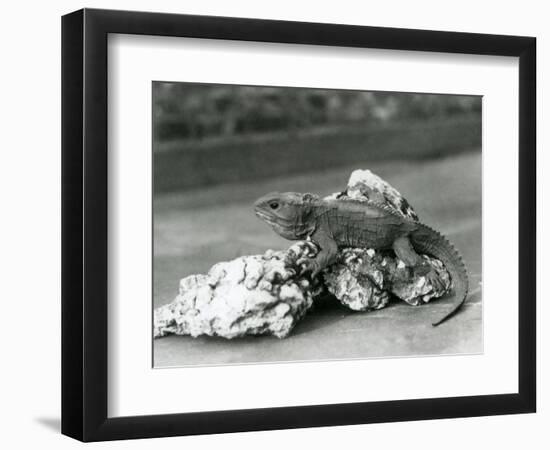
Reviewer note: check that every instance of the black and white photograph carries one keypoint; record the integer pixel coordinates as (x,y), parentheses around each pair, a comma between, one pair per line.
(269,225)
(295,224)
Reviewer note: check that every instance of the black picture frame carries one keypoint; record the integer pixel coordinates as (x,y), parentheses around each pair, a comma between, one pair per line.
(84,224)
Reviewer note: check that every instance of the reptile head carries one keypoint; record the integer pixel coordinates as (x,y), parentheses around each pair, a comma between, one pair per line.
(288,213)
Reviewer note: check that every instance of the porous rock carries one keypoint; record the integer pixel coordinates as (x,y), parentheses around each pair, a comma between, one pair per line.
(250,295)
(363,279)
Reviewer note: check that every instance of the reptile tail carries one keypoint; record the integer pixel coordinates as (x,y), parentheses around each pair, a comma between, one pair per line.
(428,241)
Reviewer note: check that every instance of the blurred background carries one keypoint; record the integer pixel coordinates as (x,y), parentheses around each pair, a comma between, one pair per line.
(216,148)
(205,134)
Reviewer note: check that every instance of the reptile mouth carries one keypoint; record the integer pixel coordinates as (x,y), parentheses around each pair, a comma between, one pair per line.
(262,215)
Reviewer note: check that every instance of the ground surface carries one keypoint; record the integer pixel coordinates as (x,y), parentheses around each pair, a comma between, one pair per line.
(194,230)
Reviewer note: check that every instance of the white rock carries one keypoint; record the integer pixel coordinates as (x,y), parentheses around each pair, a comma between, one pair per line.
(258,294)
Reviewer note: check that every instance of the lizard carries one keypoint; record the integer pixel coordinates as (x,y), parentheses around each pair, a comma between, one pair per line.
(334,224)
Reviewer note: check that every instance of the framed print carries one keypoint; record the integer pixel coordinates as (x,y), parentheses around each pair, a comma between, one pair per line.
(273,224)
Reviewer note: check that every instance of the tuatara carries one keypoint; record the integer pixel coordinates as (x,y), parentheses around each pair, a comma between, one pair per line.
(335,224)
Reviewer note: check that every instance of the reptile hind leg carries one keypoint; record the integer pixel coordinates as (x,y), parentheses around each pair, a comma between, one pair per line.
(406,253)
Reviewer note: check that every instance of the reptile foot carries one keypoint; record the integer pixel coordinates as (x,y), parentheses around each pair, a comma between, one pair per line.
(432,277)
(308,265)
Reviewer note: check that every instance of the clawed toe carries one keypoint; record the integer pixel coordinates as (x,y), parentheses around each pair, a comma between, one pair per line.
(308,265)
(433,278)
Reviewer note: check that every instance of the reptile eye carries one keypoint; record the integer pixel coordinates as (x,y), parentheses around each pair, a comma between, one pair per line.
(274,205)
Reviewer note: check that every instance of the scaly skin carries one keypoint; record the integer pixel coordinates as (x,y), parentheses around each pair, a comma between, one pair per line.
(335,224)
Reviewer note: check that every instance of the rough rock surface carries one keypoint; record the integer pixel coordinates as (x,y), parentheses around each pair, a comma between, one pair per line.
(260,294)
(363,279)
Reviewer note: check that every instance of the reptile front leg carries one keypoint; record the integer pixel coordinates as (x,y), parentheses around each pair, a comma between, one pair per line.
(327,254)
